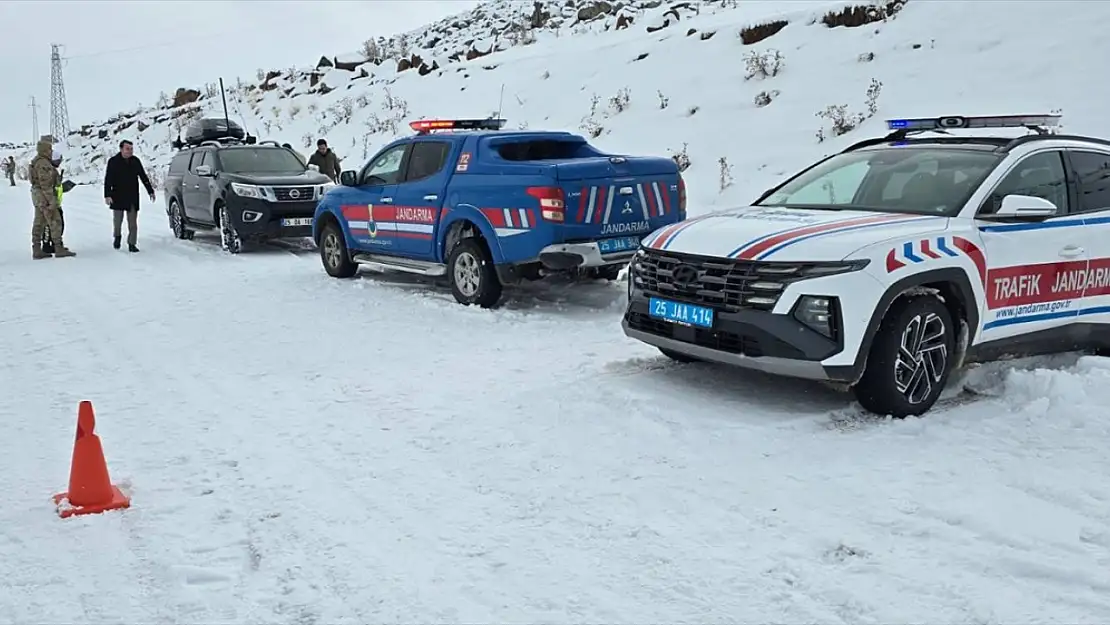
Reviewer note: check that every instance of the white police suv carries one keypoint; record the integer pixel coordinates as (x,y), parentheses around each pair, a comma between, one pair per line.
(886,266)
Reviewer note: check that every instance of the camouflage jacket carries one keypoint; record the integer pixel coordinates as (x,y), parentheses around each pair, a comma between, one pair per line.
(44,176)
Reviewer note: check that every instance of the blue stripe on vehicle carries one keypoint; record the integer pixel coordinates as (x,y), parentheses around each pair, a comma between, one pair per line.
(942,245)
(767,236)
(1046,225)
(907,252)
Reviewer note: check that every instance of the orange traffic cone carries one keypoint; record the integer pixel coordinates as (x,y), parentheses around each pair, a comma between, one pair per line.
(90,489)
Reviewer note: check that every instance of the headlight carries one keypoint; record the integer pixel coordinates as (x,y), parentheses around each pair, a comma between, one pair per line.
(818,313)
(770,280)
(247,190)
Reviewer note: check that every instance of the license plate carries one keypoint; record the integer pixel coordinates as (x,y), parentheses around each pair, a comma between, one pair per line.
(297,221)
(680,312)
(622,244)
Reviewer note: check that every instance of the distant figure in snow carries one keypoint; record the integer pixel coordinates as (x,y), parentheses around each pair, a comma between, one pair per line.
(326,160)
(121,193)
(44,184)
(299,156)
(9,168)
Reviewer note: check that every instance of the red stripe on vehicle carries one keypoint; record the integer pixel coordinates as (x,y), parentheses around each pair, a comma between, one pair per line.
(599,206)
(650,194)
(496,217)
(778,239)
(664,190)
(582,204)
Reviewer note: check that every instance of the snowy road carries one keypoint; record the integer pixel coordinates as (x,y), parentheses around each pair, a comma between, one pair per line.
(307,450)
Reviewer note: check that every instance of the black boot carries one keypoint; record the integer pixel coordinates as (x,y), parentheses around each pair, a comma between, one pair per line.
(115,242)
(132,248)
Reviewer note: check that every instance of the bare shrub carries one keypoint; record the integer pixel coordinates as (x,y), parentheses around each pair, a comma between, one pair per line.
(861,15)
(763,98)
(681,158)
(725,179)
(621,101)
(664,101)
(842,121)
(766,64)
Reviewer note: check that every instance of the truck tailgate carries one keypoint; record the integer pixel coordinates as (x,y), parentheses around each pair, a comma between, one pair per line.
(618,196)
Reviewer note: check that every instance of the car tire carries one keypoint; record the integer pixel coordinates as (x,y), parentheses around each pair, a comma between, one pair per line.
(678,356)
(910,360)
(334,254)
(472,274)
(229,238)
(177,221)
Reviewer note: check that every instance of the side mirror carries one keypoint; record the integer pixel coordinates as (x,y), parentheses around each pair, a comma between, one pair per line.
(346,178)
(204,171)
(315,168)
(1025,206)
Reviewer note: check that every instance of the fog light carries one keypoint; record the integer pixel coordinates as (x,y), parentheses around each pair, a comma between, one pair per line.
(251,216)
(816,313)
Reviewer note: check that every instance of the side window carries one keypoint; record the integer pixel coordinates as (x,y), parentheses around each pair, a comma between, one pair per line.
(180,163)
(838,186)
(427,159)
(198,159)
(1040,175)
(386,169)
(1093,171)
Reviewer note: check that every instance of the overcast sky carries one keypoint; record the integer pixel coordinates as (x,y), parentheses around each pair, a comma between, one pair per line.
(124,53)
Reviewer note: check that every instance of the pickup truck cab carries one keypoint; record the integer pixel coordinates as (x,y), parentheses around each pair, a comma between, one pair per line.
(486,207)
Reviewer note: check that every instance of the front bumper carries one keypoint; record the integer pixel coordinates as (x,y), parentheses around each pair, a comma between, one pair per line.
(564,256)
(254,218)
(753,339)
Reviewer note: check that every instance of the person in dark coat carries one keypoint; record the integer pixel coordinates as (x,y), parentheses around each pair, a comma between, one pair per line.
(121,193)
(326,160)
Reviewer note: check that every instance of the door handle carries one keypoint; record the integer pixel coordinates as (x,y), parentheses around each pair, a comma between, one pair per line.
(386,200)
(196,186)
(1071,251)
(431,198)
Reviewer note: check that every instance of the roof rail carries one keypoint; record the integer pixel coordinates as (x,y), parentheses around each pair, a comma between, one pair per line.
(269,142)
(426,126)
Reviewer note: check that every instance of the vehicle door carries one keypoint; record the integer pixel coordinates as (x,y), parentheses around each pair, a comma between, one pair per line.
(1035,266)
(368,207)
(1092,178)
(418,196)
(194,190)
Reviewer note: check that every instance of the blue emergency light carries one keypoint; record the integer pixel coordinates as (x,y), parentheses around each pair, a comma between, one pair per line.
(923,124)
(424,126)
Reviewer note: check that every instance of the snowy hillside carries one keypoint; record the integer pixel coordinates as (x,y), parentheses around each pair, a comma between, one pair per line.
(683,90)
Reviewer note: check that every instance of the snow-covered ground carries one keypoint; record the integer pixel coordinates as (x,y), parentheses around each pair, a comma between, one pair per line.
(306,450)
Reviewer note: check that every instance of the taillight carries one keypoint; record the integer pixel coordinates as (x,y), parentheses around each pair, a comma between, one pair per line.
(681,197)
(552,202)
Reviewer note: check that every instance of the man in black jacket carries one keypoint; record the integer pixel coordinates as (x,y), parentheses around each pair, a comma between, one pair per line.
(121,193)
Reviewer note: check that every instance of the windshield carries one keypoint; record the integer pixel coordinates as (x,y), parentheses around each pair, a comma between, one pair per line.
(926,181)
(260,161)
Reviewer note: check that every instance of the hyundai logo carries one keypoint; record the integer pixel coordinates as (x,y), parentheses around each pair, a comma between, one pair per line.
(685,275)
(294,194)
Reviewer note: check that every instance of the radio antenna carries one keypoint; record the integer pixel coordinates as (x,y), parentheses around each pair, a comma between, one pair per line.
(500,101)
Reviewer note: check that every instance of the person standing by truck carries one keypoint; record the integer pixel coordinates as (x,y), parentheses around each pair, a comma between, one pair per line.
(121,193)
(325,160)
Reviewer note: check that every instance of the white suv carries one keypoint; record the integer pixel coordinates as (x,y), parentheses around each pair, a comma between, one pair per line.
(886,266)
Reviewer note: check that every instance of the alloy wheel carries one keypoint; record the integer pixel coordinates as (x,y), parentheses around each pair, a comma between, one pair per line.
(468,274)
(922,357)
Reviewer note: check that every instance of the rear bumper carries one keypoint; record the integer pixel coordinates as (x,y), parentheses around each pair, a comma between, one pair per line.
(563,256)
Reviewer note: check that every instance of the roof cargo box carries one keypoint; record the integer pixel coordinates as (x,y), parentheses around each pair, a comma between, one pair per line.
(213,129)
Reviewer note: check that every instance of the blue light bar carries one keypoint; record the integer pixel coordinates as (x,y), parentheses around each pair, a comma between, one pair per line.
(921,124)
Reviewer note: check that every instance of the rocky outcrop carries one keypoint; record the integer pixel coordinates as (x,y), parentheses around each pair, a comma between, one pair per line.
(184,96)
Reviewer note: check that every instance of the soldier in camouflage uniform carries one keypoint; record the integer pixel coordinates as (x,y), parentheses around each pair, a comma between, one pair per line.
(44,183)
(9,167)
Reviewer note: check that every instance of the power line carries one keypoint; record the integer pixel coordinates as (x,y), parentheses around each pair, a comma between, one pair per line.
(151,46)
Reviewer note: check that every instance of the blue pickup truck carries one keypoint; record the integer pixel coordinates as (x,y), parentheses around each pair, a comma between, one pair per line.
(487,207)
